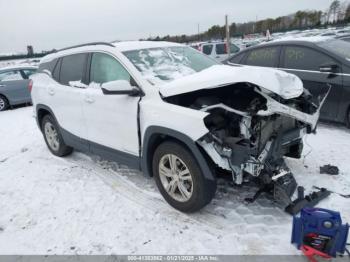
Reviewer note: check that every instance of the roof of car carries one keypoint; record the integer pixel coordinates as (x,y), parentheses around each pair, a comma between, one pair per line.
(135,45)
(12,67)
(309,39)
(120,46)
(311,42)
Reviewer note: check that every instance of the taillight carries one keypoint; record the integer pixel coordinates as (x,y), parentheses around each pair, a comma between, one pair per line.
(30,85)
(226,48)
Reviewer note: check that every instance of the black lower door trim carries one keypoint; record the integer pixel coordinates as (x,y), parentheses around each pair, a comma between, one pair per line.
(104,152)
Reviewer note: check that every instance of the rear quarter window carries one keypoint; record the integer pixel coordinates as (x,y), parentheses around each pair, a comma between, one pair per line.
(48,66)
(304,58)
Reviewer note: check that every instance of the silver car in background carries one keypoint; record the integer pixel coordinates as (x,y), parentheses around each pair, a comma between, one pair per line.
(15,85)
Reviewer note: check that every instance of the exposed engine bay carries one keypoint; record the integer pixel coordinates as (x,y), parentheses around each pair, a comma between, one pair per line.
(251,130)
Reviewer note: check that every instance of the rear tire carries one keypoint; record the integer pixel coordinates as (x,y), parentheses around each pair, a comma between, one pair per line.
(4,103)
(53,137)
(180,179)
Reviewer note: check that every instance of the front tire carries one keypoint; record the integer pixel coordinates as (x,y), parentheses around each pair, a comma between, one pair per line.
(53,137)
(180,179)
(4,103)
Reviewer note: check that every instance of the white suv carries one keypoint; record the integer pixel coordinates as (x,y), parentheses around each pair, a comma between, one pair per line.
(216,50)
(175,114)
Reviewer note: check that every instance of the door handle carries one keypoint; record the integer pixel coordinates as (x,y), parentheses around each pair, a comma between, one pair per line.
(2,85)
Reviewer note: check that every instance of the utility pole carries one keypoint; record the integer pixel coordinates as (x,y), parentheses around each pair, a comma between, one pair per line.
(255,25)
(228,46)
(199,37)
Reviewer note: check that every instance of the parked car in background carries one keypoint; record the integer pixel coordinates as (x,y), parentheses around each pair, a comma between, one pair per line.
(321,63)
(344,37)
(176,114)
(216,50)
(15,85)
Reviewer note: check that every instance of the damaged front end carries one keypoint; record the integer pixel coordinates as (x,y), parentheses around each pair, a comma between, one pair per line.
(250,131)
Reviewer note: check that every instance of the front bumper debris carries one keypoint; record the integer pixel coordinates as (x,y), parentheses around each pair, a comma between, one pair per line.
(310,200)
(274,107)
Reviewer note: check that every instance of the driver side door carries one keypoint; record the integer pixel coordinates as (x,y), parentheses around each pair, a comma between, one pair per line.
(111,119)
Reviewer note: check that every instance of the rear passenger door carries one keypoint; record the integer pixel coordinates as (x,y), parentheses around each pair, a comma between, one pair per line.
(65,95)
(305,63)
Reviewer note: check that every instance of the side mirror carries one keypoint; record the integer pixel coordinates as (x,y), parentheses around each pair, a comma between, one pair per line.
(329,68)
(120,87)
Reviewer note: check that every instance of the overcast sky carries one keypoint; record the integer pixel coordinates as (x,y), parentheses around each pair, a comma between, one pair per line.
(48,24)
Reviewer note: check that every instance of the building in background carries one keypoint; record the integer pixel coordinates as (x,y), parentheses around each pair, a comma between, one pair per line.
(30,51)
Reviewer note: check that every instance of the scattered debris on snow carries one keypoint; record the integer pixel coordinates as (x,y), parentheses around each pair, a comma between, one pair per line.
(329,170)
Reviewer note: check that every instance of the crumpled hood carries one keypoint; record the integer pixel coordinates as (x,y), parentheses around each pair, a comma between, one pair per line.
(284,84)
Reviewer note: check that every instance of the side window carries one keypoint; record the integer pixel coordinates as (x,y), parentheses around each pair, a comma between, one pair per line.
(220,49)
(48,66)
(104,68)
(207,49)
(266,57)
(56,70)
(11,76)
(72,68)
(237,58)
(234,49)
(304,58)
(28,72)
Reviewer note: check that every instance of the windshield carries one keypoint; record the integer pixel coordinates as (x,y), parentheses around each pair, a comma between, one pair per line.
(339,47)
(165,64)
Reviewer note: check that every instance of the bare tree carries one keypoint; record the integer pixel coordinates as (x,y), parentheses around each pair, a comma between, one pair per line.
(333,11)
(347,13)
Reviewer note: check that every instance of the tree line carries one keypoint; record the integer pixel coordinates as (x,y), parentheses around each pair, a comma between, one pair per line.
(338,13)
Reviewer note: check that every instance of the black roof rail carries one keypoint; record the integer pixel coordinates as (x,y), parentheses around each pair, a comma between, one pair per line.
(87,44)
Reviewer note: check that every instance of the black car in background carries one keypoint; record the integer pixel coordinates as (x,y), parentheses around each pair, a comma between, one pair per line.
(319,62)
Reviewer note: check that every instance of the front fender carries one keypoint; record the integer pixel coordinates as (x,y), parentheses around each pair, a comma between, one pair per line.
(152,132)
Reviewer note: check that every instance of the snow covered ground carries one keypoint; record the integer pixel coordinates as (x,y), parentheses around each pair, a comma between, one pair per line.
(82,205)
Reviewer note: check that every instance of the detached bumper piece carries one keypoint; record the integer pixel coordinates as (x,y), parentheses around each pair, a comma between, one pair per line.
(310,200)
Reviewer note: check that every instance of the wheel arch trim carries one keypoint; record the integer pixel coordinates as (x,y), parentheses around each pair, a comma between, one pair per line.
(7,98)
(149,139)
(46,108)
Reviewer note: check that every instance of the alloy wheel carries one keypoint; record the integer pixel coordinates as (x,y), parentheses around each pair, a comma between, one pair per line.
(175,178)
(2,104)
(51,136)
